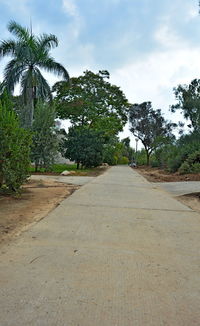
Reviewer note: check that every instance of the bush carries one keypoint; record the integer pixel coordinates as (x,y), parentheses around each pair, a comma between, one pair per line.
(14,150)
(185,168)
(123,160)
(191,164)
(174,164)
(196,168)
(155,164)
(140,157)
(185,149)
(194,158)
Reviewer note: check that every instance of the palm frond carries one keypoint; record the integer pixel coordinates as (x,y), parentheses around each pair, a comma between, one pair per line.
(43,89)
(19,31)
(33,81)
(7,48)
(47,41)
(12,74)
(50,65)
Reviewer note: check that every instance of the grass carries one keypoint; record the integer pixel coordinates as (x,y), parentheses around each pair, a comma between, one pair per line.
(59,168)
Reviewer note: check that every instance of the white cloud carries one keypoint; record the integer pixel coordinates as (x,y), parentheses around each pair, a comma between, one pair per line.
(166,37)
(70,8)
(73,28)
(153,77)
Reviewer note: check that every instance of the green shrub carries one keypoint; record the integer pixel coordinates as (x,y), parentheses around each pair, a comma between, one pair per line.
(140,157)
(173,164)
(185,168)
(15,145)
(195,168)
(155,164)
(172,156)
(194,158)
(123,160)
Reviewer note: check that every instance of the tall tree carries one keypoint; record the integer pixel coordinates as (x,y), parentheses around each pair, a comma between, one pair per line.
(45,141)
(90,100)
(29,54)
(150,127)
(188,97)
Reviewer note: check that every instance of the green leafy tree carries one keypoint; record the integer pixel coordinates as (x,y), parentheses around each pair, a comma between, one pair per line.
(45,140)
(188,97)
(150,127)
(90,100)
(117,152)
(84,146)
(112,151)
(15,145)
(29,55)
(128,151)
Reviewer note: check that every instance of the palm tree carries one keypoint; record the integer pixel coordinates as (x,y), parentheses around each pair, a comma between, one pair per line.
(29,54)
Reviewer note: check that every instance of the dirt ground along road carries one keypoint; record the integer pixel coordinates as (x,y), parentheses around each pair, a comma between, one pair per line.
(37,199)
(116,252)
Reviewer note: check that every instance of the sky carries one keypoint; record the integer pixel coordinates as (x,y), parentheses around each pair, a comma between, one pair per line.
(148,46)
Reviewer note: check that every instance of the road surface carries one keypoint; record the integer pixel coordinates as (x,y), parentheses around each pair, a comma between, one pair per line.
(118,252)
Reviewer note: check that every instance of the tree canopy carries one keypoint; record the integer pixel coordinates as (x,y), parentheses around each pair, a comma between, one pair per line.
(149,126)
(84,146)
(188,97)
(90,100)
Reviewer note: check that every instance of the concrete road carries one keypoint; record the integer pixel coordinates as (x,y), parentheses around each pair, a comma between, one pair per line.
(180,188)
(116,253)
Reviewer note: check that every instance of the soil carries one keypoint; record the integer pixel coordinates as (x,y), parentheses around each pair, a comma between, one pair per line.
(191,200)
(158,175)
(37,199)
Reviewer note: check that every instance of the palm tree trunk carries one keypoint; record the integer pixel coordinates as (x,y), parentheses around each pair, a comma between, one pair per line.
(30,108)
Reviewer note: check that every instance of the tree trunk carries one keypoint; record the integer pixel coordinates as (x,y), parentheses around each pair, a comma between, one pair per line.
(148,157)
(77,166)
(30,99)
(31,109)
